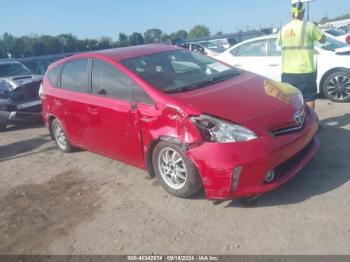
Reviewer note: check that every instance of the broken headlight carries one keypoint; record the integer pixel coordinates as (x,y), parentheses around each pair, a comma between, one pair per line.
(213,129)
(5,88)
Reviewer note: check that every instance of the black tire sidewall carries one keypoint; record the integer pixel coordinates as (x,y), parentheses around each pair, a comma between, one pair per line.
(68,147)
(325,84)
(193,182)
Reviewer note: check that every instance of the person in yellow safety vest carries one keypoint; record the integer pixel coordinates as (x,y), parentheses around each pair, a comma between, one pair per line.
(298,65)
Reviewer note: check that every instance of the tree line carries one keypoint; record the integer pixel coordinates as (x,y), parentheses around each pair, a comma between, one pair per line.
(36,45)
(325,19)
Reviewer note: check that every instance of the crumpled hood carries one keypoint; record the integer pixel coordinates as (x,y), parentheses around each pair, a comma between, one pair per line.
(249,100)
(17,81)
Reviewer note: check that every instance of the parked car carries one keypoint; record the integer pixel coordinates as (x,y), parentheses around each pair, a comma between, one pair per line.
(187,118)
(339,35)
(37,67)
(204,48)
(19,99)
(262,56)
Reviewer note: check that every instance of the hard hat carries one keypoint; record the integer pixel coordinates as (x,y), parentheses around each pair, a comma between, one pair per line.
(297,7)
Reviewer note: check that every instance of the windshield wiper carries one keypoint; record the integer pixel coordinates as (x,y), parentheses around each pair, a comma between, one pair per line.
(212,80)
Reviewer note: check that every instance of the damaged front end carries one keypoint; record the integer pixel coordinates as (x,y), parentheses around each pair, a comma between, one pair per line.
(19,100)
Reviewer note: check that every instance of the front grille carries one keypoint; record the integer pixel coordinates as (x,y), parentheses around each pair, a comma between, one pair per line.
(290,129)
(287,131)
(26,93)
(285,167)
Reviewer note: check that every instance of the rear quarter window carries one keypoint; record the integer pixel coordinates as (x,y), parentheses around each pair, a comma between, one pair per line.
(74,76)
(54,75)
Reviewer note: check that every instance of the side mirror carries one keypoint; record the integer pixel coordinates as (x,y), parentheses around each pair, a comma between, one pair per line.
(102,92)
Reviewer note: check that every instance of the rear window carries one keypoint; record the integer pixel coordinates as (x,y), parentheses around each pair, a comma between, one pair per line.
(54,75)
(75,76)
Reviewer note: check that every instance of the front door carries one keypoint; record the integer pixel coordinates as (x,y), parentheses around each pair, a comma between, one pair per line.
(114,126)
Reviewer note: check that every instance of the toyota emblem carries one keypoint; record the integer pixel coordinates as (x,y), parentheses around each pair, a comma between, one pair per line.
(299,117)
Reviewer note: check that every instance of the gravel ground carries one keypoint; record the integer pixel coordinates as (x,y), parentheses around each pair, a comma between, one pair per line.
(82,203)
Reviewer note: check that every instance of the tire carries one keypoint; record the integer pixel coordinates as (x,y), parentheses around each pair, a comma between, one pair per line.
(175,171)
(336,86)
(60,137)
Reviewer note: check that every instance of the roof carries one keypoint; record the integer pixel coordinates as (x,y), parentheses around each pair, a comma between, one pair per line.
(125,53)
(9,62)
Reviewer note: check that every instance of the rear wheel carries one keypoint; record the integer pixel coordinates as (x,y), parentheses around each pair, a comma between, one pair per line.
(336,86)
(175,171)
(60,137)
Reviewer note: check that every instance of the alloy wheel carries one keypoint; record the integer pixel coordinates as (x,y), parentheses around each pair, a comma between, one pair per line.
(338,87)
(60,136)
(172,168)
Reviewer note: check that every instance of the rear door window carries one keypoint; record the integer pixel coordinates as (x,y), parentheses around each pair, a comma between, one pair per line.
(75,76)
(275,50)
(258,48)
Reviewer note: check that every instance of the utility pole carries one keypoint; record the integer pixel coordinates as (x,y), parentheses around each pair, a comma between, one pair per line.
(308,8)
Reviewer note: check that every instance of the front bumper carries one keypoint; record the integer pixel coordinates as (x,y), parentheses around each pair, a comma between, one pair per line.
(286,155)
(29,112)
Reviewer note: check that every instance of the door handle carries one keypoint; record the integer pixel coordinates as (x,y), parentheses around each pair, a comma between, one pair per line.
(237,65)
(274,65)
(92,110)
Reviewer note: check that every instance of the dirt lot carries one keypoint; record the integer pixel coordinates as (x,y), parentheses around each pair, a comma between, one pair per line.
(81,203)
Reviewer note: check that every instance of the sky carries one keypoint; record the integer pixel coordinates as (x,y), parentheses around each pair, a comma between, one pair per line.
(94,19)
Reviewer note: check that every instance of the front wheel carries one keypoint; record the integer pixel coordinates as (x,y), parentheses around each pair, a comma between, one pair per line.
(336,86)
(175,171)
(60,137)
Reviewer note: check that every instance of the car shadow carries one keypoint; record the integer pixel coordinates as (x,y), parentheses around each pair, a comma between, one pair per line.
(23,126)
(327,171)
(22,148)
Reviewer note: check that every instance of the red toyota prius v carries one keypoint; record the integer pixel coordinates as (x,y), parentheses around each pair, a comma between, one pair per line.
(190,120)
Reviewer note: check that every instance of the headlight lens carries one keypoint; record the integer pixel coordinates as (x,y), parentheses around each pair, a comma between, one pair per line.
(213,129)
(5,88)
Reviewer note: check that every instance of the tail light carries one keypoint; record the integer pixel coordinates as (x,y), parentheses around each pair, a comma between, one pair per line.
(347,39)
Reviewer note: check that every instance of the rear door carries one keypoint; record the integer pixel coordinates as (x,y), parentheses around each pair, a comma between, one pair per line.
(274,60)
(69,100)
(113,129)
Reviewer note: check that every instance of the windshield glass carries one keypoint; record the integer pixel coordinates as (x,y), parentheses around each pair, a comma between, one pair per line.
(331,44)
(13,69)
(180,70)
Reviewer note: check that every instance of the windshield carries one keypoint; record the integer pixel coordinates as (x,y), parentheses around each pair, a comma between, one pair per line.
(179,71)
(13,69)
(331,44)
(212,46)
